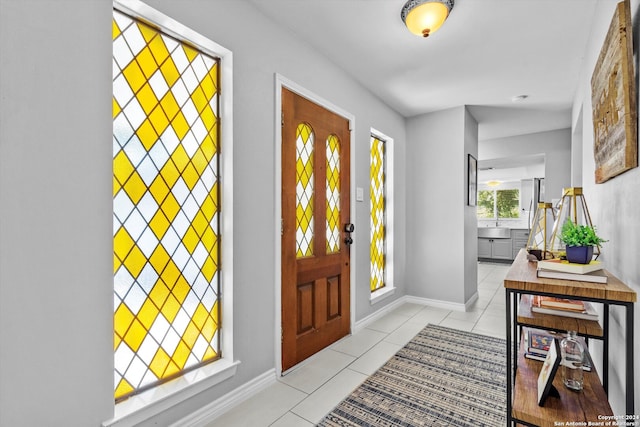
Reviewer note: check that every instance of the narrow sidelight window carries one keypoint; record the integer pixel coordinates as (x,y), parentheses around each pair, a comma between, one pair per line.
(377,193)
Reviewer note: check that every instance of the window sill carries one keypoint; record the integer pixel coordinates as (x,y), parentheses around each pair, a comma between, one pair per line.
(145,405)
(382,294)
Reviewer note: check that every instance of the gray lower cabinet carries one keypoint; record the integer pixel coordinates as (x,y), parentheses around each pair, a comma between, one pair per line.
(495,248)
(501,249)
(484,248)
(519,238)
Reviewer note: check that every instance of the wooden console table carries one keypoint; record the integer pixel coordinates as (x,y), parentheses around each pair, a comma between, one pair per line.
(522,281)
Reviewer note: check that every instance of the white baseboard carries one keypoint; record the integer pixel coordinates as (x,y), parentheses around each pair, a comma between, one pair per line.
(472,300)
(363,323)
(213,410)
(447,305)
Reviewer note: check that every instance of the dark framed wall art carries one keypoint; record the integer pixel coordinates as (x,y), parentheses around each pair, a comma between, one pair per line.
(472,180)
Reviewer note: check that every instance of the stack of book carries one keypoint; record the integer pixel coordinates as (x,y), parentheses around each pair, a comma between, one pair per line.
(561,269)
(563,307)
(537,344)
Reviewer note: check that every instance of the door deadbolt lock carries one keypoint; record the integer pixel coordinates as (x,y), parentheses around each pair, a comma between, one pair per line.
(348,240)
(349,227)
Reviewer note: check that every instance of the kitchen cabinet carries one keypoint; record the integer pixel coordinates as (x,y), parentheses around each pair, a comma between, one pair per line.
(495,248)
(519,239)
(484,248)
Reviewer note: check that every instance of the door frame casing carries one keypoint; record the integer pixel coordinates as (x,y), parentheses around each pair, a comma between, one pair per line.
(280,82)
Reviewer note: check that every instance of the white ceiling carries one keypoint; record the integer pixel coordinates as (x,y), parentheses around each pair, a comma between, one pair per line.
(512,168)
(487,52)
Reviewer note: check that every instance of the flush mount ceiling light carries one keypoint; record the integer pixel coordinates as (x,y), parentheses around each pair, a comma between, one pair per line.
(424,17)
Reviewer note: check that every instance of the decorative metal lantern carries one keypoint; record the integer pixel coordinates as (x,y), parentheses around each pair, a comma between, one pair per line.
(572,206)
(538,236)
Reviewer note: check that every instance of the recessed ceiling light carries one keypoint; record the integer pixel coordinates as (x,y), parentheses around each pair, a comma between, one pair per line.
(519,98)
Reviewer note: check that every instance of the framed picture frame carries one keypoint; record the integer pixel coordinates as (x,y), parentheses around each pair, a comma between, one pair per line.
(548,372)
(472,180)
(613,99)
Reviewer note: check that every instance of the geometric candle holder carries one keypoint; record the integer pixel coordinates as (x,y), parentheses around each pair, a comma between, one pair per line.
(537,243)
(572,206)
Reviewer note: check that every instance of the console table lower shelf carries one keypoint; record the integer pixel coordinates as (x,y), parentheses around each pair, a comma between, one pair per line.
(571,406)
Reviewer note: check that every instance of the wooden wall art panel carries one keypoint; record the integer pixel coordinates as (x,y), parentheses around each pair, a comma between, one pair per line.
(613,96)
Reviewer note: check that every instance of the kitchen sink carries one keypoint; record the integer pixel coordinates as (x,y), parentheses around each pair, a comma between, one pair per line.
(494,232)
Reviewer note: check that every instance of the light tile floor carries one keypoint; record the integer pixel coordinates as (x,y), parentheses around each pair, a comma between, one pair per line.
(302,397)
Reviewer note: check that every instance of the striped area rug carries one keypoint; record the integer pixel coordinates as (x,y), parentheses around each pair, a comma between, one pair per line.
(442,377)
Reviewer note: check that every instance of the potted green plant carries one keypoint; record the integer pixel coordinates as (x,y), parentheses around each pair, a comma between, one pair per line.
(579,241)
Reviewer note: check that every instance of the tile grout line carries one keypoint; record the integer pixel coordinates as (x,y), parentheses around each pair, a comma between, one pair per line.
(485,310)
(344,368)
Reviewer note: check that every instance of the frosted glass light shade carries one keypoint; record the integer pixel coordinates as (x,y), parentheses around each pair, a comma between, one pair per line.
(425,17)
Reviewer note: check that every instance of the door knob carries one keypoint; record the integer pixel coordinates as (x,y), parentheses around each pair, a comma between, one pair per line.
(348,240)
(349,227)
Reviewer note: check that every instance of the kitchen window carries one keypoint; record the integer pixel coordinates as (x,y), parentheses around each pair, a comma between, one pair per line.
(498,203)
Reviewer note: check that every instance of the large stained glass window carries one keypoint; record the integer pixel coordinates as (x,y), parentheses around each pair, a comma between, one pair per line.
(377,193)
(166,206)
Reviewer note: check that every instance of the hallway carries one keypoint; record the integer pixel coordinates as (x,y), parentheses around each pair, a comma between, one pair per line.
(305,395)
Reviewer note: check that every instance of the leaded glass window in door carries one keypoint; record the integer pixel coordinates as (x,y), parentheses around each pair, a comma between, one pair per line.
(333,194)
(304,190)
(166,206)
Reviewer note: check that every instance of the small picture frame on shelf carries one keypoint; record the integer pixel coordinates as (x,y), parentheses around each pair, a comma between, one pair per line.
(548,372)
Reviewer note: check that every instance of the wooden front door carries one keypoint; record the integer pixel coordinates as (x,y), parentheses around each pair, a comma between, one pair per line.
(315,214)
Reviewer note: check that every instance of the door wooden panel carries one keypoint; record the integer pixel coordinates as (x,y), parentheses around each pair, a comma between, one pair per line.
(315,278)
(333,297)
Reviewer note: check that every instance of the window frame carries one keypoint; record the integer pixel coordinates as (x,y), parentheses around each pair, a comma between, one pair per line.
(149,403)
(389,288)
(505,186)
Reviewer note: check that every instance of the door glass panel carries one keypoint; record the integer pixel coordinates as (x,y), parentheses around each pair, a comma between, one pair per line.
(333,194)
(304,190)
(377,194)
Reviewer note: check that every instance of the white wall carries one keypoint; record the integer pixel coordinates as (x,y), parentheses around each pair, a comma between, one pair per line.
(576,152)
(556,147)
(614,207)
(470,218)
(56,274)
(56,360)
(439,242)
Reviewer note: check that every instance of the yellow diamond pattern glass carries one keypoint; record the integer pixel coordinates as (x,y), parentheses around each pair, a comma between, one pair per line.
(166,206)
(333,194)
(377,194)
(304,190)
